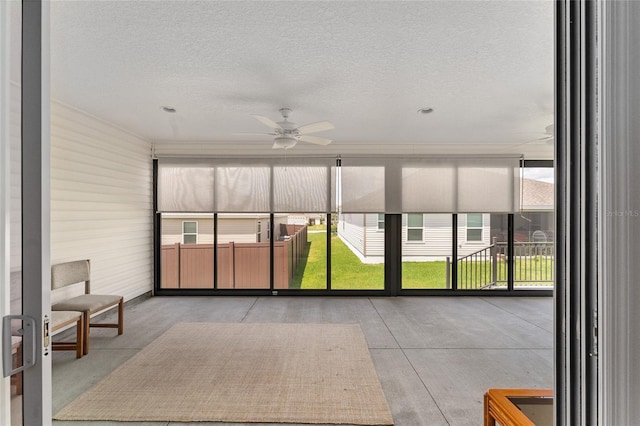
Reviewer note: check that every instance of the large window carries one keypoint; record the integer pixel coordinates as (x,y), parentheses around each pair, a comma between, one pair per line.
(321,224)
(186,250)
(428,265)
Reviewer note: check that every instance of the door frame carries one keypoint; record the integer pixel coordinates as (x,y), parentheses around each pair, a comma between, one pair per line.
(35,210)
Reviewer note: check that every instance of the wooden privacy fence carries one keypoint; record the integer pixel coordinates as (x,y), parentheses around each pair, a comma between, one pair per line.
(240,265)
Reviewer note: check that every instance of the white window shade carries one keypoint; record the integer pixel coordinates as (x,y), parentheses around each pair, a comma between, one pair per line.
(300,189)
(243,188)
(459,185)
(429,187)
(361,188)
(488,185)
(185,187)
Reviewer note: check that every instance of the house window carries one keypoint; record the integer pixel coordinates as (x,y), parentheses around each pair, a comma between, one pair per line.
(268,230)
(380,221)
(189,232)
(474,227)
(415,225)
(259,231)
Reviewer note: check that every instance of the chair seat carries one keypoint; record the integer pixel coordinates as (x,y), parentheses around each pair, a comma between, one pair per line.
(61,319)
(87,303)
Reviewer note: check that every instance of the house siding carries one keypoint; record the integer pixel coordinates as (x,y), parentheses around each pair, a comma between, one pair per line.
(351,230)
(436,243)
(436,237)
(240,230)
(374,241)
(101,202)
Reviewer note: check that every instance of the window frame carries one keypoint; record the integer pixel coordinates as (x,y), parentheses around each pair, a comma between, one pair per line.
(379,229)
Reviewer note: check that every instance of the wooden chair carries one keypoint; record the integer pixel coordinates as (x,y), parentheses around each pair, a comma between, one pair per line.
(79,271)
(62,319)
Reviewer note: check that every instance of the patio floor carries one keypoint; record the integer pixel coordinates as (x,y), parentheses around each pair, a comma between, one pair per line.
(435,356)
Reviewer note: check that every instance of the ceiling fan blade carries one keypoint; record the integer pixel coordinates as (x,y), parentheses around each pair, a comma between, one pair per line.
(315,139)
(266,121)
(315,127)
(253,134)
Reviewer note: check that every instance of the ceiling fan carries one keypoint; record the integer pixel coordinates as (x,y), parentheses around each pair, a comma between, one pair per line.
(548,137)
(287,133)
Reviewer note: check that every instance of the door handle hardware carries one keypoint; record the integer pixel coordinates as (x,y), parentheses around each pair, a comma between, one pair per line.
(28,333)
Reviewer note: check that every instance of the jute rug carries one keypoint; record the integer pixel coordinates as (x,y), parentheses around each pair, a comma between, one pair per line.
(280,373)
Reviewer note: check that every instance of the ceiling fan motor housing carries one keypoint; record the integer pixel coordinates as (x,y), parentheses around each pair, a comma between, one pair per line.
(286,141)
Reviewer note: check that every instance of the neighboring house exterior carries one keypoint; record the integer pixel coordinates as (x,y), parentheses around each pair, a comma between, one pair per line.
(197,228)
(424,236)
(429,236)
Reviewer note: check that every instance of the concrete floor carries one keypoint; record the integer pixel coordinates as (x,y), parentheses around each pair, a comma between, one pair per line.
(435,356)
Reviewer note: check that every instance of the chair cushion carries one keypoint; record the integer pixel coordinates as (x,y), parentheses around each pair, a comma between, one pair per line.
(87,302)
(62,318)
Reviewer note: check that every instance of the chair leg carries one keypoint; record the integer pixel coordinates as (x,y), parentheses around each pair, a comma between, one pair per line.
(80,336)
(87,326)
(121,317)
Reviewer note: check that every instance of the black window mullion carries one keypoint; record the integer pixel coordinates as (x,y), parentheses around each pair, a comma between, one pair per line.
(215,251)
(271,252)
(510,252)
(329,222)
(392,253)
(454,252)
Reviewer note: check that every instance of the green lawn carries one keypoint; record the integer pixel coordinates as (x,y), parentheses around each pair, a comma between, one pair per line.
(349,273)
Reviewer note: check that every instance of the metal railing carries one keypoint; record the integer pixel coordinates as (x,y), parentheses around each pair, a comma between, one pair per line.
(534,263)
(488,267)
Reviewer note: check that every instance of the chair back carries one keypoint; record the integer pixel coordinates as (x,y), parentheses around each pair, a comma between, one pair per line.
(68,273)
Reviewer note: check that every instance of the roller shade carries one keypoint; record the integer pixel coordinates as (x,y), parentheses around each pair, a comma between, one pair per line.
(354,185)
(489,186)
(361,186)
(185,186)
(243,189)
(461,185)
(245,185)
(300,189)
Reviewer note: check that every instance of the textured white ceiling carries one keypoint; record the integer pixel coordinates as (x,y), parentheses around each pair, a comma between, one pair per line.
(486,67)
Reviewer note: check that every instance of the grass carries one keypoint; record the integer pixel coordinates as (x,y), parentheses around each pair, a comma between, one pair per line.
(349,273)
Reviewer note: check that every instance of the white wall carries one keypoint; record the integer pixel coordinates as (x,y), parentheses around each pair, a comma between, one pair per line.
(101,206)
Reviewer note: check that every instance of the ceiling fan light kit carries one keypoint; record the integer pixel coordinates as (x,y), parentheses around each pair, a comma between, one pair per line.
(287,133)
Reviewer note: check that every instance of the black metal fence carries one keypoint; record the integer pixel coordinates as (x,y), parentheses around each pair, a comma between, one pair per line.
(488,267)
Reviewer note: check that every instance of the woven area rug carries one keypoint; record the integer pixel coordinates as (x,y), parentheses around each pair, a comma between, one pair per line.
(280,373)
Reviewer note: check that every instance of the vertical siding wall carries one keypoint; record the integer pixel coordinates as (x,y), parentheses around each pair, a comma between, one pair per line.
(101,206)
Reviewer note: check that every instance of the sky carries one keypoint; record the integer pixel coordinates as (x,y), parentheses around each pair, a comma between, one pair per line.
(544,174)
